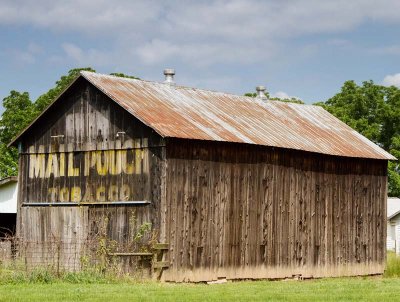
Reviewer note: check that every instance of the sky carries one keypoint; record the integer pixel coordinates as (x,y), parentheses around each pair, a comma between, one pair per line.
(304,49)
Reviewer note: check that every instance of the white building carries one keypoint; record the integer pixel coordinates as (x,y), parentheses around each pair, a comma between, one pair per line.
(8,205)
(393,224)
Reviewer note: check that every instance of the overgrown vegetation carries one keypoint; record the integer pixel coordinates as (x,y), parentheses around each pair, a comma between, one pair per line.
(288,100)
(17,284)
(16,275)
(393,265)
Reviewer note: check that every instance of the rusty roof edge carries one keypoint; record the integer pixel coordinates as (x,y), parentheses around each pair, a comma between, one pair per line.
(384,153)
(365,139)
(18,136)
(116,101)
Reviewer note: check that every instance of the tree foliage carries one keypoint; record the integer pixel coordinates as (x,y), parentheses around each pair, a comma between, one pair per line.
(291,100)
(45,99)
(17,115)
(20,111)
(123,75)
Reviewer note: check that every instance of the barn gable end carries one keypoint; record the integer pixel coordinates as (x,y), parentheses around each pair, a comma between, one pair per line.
(88,169)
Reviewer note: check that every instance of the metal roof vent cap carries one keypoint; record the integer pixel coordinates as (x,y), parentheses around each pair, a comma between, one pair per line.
(261,93)
(169,76)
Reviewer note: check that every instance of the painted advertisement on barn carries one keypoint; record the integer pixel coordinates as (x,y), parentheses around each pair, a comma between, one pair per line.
(120,174)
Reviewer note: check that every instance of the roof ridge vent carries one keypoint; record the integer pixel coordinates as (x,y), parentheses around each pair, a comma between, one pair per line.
(169,76)
(261,93)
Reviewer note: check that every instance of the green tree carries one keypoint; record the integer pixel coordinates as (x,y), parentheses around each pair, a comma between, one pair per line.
(45,99)
(18,113)
(123,75)
(361,107)
(291,100)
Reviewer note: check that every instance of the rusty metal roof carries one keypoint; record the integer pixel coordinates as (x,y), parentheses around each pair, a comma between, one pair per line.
(191,113)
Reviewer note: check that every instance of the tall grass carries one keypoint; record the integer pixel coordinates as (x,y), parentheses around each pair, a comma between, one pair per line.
(17,274)
(393,265)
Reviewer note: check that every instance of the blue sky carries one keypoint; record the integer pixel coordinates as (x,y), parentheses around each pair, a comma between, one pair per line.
(305,49)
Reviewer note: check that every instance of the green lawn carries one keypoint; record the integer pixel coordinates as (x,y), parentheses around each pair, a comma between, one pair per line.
(43,285)
(340,289)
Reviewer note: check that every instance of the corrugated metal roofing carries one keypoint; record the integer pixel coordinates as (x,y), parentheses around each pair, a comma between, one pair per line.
(190,113)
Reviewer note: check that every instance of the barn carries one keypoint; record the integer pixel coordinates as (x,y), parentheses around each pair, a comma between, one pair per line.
(200,185)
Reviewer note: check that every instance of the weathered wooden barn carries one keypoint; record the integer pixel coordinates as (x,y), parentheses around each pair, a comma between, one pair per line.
(229,186)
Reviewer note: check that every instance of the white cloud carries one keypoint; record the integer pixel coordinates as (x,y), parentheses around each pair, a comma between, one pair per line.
(25,56)
(392,80)
(283,95)
(196,32)
(89,16)
(73,51)
(86,57)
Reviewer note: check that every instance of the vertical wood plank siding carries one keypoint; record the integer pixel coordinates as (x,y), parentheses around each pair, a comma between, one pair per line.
(242,211)
(84,124)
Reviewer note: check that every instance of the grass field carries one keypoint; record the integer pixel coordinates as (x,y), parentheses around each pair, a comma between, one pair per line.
(341,289)
(42,286)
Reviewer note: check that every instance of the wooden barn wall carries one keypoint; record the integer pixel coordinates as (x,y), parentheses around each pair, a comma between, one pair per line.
(87,150)
(242,211)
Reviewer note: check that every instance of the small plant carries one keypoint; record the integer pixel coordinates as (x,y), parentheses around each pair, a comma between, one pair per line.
(143,229)
(392,265)
(42,275)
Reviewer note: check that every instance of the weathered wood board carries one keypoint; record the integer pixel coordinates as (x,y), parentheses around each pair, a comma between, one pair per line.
(242,211)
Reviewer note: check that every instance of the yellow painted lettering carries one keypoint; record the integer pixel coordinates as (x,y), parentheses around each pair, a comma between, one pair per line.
(86,166)
(114,162)
(37,163)
(53,194)
(102,163)
(72,171)
(138,161)
(52,166)
(62,164)
(76,194)
(128,168)
(64,194)
(88,196)
(124,193)
(113,193)
(101,194)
